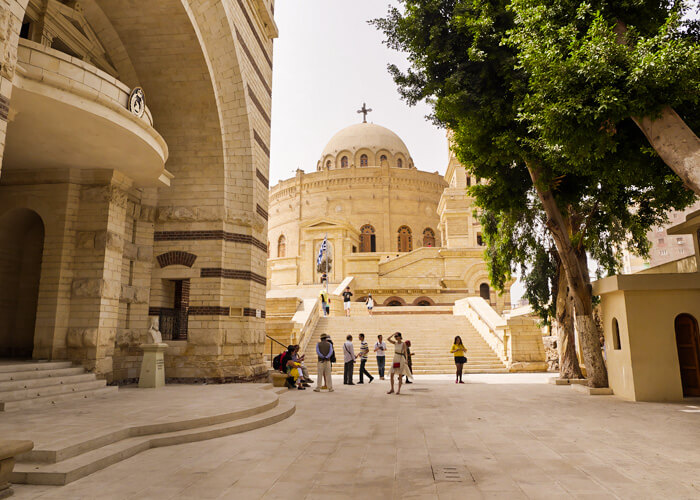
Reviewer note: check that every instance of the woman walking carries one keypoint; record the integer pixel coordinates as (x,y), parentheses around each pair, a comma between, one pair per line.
(460,353)
(399,366)
(370,304)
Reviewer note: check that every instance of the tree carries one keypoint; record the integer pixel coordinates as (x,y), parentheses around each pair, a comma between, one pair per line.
(465,59)
(592,65)
(519,245)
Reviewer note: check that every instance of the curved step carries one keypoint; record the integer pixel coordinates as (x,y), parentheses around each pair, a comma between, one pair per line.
(82,465)
(51,400)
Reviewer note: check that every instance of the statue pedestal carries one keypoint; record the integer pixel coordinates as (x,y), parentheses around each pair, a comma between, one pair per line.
(152,366)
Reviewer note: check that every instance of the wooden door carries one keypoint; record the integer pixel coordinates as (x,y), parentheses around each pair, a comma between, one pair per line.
(687,342)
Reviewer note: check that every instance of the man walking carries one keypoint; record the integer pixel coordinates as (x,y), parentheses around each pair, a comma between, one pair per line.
(380,349)
(346,301)
(364,353)
(349,358)
(325,303)
(324,351)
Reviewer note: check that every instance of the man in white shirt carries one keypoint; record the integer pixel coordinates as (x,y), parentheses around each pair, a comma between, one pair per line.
(380,349)
(349,358)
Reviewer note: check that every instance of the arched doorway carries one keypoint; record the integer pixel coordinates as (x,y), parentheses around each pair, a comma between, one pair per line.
(21,250)
(688,343)
(368,240)
(405,240)
(485,292)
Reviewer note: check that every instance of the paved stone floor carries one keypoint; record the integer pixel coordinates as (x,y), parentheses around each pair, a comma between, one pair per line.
(507,436)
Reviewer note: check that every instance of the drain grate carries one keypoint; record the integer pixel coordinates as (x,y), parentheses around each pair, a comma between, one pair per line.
(452,473)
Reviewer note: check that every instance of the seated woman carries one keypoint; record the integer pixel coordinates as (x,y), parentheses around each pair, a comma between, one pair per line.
(294,372)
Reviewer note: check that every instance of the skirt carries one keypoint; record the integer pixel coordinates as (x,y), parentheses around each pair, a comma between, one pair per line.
(460,360)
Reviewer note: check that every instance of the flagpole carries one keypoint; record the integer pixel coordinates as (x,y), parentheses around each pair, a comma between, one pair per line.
(327,277)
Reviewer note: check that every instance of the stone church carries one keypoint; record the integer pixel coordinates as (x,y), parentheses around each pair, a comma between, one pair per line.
(134,139)
(408,237)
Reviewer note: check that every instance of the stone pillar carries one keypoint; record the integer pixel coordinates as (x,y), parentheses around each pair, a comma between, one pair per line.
(11,15)
(96,287)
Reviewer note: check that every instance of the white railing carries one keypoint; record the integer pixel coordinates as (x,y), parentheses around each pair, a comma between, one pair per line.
(490,325)
(306,329)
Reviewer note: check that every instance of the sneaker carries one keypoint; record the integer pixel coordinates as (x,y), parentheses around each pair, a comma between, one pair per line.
(370,380)
(301,388)
(317,390)
(360,382)
(330,390)
(305,384)
(351,383)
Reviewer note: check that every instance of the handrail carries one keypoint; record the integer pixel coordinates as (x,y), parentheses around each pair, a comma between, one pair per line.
(278,342)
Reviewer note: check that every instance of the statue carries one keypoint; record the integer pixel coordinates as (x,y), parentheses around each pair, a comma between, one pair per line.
(154,335)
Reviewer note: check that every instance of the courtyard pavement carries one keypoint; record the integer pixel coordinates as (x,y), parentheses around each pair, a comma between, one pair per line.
(505,436)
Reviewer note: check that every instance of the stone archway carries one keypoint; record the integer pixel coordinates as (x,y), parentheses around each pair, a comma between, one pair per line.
(21,252)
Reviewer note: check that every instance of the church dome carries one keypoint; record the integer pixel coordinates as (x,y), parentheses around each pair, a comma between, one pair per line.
(365,145)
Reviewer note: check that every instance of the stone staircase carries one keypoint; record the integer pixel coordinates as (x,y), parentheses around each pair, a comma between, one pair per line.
(31,384)
(431,337)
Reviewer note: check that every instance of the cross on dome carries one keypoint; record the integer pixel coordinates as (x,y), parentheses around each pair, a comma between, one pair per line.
(364,112)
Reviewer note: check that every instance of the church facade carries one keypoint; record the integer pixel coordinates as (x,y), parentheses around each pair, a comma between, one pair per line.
(408,237)
(134,139)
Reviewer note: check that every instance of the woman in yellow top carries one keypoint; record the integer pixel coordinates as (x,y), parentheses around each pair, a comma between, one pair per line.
(460,352)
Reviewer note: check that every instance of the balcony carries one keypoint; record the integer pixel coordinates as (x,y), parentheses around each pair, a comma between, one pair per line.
(66,113)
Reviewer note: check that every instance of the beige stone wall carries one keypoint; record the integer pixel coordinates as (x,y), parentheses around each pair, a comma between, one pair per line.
(206,68)
(387,198)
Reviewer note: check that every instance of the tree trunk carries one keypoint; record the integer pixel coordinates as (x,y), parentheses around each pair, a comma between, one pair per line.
(673,140)
(566,339)
(579,286)
(675,143)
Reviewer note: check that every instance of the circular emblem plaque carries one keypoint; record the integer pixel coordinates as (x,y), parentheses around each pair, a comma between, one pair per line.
(137,102)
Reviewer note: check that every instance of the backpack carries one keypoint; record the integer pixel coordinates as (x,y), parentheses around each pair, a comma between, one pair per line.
(278,361)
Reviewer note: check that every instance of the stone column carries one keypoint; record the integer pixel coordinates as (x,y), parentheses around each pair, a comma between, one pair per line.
(97,283)
(11,15)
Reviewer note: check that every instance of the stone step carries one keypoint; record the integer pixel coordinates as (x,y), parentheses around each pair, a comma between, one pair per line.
(50,390)
(57,398)
(33,366)
(28,375)
(74,468)
(15,385)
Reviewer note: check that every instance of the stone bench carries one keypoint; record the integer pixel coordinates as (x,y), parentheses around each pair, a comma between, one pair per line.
(278,379)
(9,449)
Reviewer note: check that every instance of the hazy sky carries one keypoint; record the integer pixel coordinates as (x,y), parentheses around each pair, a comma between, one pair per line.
(327,62)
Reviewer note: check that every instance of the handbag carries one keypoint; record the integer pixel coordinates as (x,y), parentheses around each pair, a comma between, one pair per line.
(396,365)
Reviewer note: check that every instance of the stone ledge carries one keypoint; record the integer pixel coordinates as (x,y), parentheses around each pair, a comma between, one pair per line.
(592,391)
(567,381)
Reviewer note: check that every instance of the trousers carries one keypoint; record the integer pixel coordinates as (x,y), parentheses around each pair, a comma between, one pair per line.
(347,372)
(363,370)
(323,372)
(380,365)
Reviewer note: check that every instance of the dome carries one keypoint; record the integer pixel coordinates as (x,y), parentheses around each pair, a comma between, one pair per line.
(366,138)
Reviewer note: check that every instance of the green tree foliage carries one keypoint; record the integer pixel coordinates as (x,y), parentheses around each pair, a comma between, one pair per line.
(545,90)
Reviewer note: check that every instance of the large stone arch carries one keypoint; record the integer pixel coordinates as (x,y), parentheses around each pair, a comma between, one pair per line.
(206,70)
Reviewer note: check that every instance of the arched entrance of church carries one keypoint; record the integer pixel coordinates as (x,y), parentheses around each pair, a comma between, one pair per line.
(21,250)
(688,344)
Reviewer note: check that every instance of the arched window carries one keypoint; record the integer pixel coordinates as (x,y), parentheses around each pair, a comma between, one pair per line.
(282,246)
(428,237)
(405,240)
(328,165)
(344,162)
(399,163)
(368,241)
(382,159)
(363,161)
(394,303)
(485,292)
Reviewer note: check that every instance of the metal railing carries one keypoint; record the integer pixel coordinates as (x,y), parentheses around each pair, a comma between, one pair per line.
(277,342)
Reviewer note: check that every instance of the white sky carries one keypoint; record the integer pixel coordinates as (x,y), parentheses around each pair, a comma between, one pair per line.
(327,62)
